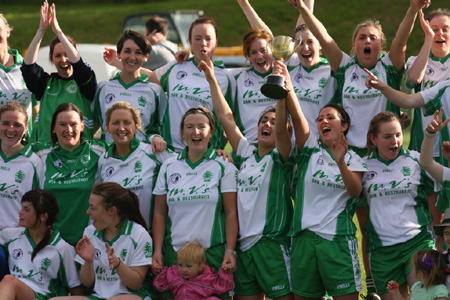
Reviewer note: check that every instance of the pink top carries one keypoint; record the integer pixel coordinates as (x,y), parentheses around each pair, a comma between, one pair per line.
(201,287)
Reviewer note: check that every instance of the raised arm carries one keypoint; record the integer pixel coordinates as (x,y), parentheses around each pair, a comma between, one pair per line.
(310,5)
(221,107)
(33,48)
(255,21)
(417,70)
(398,46)
(398,98)
(426,151)
(329,46)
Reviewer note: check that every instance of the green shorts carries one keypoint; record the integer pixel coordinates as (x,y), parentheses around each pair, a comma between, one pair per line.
(214,258)
(393,262)
(319,265)
(263,268)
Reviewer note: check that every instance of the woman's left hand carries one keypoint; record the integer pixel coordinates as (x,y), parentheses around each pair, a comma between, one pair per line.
(207,66)
(225,155)
(229,262)
(113,260)
(55,25)
(339,149)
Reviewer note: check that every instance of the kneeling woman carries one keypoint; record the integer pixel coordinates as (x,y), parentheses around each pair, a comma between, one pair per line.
(396,188)
(116,250)
(40,261)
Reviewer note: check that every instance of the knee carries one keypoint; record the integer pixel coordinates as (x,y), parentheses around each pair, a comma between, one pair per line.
(9,280)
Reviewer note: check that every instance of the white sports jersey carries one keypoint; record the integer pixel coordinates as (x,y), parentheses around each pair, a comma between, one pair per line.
(396,192)
(146,97)
(52,269)
(137,172)
(264,200)
(435,98)
(19,174)
(133,246)
(322,203)
(186,87)
(250,103)
(360,102)
(437,70)
(12,85)
(194,197)
(314,87)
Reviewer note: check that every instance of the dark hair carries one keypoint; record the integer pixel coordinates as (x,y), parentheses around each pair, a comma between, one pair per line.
(438,12)
(300,28)
(62,108)
(274,110)
(432,264)
(252,36)
(140,40)
(43,202)
(158,24)
(125,201)
(343,115)
(14,106)
(205,20)
(374,126)
(56,41)
(198,110)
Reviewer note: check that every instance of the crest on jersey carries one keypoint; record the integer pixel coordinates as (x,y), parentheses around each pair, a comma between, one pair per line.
(174,178)
(354,77)
(406,171)
(248,83)
(109,172)
(429,71)
(138,167)
(142,101)
(17,254)
(58,163)
(85,159)
(323,82)
(19,177)
(298,77)
(97,254)
(371,175)
(320,160)
(46,263)
(109,98)
(207,176)
(72,88)
(181,75)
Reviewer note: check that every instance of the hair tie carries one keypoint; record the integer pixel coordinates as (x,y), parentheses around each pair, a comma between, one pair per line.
(49,226)
(427,262)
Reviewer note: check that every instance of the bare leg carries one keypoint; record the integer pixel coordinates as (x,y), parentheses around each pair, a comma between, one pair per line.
(13,288)
(297,297)
(352,296)
(252,297)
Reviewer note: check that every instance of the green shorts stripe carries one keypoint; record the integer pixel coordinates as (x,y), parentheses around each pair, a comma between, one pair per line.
(264,268)
(319,265)
(393,262)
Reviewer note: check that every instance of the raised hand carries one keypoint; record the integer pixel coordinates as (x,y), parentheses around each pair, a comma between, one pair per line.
(339,149)
(373,82)
(85,249)
(113,260)
(55,25)
(207,66)
(425,25)
(46,18)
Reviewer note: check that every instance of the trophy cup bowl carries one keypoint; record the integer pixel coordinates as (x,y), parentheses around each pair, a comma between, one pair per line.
(282,48)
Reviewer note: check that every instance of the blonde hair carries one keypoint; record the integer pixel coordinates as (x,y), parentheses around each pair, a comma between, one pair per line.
(2,17)
(433,266)
(368,23)
(192,253)
(126,106)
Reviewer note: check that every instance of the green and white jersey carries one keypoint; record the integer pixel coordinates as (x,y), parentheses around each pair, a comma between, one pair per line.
(70,176)
(146,97)
(12,85)
(137,172)
(133,245)
(264,198)
(435,98)
(315,88)
(360,102)
(322,203)
(250,103)
(437,70)
(20,173)
(186,87)
(52,269)
(194,198)
(396,192)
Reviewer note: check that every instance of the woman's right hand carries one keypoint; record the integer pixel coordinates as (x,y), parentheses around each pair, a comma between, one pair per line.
(46,18)
(427,30)
(85,249)
(157,263)
(207,66)
(437,124)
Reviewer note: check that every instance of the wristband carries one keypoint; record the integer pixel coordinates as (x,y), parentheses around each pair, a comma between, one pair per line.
(231,251)
(118,264)
(430,135)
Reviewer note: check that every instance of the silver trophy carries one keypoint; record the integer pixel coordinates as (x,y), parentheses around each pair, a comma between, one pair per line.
(282,48)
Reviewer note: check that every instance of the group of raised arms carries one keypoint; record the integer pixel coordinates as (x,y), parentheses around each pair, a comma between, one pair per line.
(152,208)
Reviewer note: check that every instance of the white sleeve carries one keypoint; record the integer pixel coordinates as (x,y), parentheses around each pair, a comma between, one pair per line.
(229,180)
(161,71)
(67,253)
(142,254)
(161,183)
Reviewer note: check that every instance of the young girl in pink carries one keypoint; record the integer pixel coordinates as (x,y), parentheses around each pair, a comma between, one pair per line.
(192,278)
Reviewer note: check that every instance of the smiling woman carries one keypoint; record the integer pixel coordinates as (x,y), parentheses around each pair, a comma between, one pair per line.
(74,82)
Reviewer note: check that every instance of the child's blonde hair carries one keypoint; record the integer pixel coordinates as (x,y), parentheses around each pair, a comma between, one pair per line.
(192,253)
(433,266)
